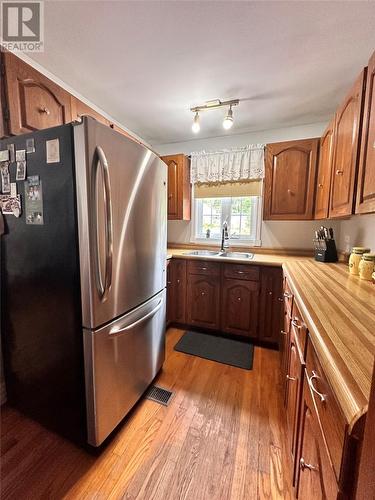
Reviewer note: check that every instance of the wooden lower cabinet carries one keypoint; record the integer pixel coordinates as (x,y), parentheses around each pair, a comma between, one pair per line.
(315,478)
(271,305)
(203,301)
(294,379)
(176,291)
(239,307)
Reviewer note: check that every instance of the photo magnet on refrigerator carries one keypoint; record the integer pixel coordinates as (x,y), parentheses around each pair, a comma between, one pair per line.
(34,200)
(12,152)
(21,171)
(5,177)
(21,155)
(53,151)
(30,145)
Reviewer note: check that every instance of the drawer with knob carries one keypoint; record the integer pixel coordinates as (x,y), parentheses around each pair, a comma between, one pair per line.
(330,415)
(242,272)
(204,267)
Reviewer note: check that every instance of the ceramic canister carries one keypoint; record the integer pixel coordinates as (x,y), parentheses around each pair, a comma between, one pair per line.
(366,266)
(355,259)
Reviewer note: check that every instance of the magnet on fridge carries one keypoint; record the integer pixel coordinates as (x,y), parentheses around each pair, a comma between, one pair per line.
(30,145)
(12,152)
(21,155)
(21,171)
(4,155)
(5,177)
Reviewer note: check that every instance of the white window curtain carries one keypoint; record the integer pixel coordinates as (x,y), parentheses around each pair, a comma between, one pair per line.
(228,165)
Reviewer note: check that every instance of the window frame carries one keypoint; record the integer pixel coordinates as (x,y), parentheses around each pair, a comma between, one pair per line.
(225,213)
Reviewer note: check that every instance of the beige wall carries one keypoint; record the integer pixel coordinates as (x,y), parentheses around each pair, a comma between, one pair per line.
(359,230)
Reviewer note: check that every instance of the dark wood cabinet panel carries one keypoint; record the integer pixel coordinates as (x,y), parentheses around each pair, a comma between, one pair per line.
(203,301)
(346,148)
(179,188)
(176,291)
(271,305)
(80,109)
(289,184)
(294,378)
(323,182)
(316,479)
(366,175)
(34,102)
(239,307)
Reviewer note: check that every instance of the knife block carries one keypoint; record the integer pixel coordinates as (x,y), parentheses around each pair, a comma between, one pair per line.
(325,250)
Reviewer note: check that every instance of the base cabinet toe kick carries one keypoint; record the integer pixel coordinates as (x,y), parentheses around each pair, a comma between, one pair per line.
(324,441)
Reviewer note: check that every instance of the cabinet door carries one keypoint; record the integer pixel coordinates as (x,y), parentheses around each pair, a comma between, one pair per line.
(290,180)
(34,101)
(80,109)
(179,290)
(366,176)
(203,301)
(240,307)
(316,479)
(293,393)
(170,302)
(348,119)
(323,183)
(173,194)
(271,303)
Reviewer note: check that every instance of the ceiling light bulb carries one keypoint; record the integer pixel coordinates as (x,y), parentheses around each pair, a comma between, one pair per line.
(196,126)
(228,120)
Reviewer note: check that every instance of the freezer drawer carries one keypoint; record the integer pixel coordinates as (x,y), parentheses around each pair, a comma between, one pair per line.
(121,360)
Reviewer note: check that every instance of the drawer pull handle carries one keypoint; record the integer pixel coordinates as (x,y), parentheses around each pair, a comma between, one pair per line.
(169,282)
(311,384)
(240,272)
(287,295)
(304,465)
(339,172)
(203,268)
(288,377)
(178,282)
(283,333)
(295,324)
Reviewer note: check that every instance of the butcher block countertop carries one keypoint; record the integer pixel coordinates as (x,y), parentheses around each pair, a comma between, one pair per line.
(264,259)
(339,311)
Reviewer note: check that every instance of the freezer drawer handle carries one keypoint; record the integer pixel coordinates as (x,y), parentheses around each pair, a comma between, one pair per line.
(103,289)
(136,323)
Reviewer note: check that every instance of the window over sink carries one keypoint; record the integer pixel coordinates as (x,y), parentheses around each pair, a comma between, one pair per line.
(237,204)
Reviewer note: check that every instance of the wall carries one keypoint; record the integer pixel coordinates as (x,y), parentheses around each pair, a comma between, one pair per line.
(274,234)
(359,230)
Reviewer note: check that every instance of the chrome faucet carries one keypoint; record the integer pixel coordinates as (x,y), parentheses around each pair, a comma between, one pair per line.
(224,237)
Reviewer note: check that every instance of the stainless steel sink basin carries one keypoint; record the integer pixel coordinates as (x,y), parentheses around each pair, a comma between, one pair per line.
(237,255)
(228,255)
(205,253)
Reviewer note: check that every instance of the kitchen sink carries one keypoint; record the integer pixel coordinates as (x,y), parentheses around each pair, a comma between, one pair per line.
(237,255)
(228,255)
(205,253)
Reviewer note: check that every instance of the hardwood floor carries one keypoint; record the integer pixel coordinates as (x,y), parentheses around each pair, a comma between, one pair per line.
(221,437)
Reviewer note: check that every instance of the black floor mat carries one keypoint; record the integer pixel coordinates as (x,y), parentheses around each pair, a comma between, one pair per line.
(220,349)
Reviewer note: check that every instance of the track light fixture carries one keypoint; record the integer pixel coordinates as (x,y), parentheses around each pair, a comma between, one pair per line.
(228,120)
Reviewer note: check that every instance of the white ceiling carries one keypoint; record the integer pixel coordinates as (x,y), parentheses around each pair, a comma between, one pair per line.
(146,63)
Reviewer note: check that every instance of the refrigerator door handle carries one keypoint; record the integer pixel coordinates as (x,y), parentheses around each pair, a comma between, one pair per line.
(116,331)
(102,161)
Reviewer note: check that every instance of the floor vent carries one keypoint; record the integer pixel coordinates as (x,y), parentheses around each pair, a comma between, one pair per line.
(159,395)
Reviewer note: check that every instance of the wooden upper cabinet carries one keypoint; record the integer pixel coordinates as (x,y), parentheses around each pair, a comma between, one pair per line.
(33,101)
(179,188)
(80,109)
(366,175)
(323,182)
(347,128)
(290,180)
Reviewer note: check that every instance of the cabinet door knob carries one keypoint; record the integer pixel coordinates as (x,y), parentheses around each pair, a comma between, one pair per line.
(339,172)
(170,196)
(280,299)
(288,377)
(239,299)
(240,272)
(178,281)
(202,293)
(283,333)
(44,110)
(203,268)
(287,295)
(320,185)
(270,293)
(295,324)
(304,465)
(169,282)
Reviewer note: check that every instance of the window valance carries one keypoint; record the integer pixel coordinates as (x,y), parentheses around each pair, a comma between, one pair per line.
(245,163)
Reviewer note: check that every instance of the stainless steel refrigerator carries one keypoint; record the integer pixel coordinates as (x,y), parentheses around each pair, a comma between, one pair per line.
(83,280)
